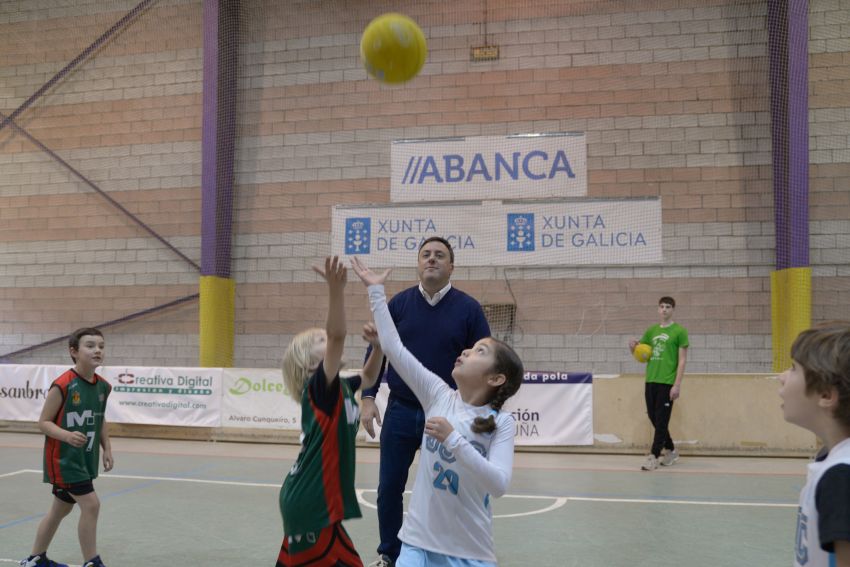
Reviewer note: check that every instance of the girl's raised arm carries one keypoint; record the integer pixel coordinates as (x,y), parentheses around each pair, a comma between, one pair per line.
(424,383)
(335,276)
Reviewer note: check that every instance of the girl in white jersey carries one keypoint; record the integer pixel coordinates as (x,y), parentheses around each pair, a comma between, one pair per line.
(467,449)
(816,396)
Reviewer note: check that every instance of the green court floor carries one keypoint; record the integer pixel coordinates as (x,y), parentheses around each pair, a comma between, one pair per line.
(215,504)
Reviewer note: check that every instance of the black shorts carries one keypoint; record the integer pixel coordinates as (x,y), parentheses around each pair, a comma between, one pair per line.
(330,546)
(78,489)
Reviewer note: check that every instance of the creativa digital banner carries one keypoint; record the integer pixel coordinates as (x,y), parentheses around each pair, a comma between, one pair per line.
(143,395)
(164,396)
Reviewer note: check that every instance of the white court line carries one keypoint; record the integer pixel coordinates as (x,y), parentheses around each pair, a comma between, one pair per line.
(22,471)
(195,480)
(172,479)
(692,502)
(18,562)
(559,500)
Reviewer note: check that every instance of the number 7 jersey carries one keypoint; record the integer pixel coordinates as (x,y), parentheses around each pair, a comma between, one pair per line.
(83,408)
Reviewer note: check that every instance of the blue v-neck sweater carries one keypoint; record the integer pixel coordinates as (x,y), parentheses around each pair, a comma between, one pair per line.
(434,335)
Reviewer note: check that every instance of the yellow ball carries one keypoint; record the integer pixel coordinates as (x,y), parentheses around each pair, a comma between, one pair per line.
(393,48)
(642,352)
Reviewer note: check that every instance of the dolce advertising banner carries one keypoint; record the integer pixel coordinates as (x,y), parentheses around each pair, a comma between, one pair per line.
(602,232)
(551,408)
(520,166)
(257,398)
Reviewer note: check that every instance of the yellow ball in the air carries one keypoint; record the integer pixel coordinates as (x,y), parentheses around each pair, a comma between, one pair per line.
(642,352)
(393,48)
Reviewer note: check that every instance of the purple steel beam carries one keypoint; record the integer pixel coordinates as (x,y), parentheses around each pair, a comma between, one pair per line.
(219,135)
(100,191)
(10,119)
(118,26)
(798,122)
(789,113)
(4,358)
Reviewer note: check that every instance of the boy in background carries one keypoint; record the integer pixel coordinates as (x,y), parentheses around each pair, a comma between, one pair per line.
(664,372)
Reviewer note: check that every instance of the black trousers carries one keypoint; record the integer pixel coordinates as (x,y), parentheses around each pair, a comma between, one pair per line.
(659,406)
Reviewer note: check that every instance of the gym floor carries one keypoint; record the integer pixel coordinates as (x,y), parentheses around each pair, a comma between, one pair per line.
(200,503)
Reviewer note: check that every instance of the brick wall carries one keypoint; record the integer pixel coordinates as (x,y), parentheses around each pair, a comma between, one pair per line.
(672,94)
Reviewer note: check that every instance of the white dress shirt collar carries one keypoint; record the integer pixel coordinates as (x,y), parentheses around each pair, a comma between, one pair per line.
(432,301)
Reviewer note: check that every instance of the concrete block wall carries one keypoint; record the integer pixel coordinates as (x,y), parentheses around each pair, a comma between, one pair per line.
(673,97)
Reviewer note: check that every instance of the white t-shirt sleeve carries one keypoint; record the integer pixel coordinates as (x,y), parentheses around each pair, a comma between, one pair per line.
(493,472)
(425,384)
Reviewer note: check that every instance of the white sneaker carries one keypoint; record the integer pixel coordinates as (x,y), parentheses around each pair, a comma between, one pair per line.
(40,561)
(381,561)
(669,458)
(650,464)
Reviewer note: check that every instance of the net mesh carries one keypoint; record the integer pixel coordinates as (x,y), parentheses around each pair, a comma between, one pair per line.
(688,113)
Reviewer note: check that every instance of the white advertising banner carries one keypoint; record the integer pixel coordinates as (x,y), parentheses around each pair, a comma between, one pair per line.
(521,166)
(551,408)
(164,396)
(257,398)
(602,232)
(23,388)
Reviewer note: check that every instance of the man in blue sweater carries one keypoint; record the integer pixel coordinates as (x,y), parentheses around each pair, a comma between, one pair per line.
(436,322)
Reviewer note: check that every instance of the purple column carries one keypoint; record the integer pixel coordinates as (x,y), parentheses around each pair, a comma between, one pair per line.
(218,135)
(789,117)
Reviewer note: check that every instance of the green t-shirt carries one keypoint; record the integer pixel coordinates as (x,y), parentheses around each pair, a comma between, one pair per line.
(665,343)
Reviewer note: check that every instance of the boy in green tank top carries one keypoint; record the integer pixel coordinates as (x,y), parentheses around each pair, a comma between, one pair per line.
(73,422)
(664,371)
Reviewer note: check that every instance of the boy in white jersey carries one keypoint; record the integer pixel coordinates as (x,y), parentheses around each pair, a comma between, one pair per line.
(467,448)
(816,396)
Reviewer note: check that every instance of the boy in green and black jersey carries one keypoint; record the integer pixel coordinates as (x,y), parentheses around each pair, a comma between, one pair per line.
(73,421)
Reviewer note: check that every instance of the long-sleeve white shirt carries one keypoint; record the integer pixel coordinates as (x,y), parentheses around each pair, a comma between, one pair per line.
(450,511)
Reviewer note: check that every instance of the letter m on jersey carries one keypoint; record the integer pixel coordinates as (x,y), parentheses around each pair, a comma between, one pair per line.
(76,419)
(352,412)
